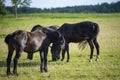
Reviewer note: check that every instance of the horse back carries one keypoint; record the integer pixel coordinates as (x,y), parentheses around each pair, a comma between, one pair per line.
(79,31)
(34,41)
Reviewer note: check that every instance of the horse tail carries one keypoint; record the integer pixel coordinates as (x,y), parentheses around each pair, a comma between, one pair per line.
(82,44)
(96,29)
(8,38)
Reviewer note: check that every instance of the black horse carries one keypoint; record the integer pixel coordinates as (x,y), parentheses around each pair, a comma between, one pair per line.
(30,42)
(81,33)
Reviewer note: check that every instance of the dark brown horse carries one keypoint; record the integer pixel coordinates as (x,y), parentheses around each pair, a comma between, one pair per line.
(82,33)
(30,42)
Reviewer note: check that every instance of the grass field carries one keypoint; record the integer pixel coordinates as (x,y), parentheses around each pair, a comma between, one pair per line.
(107,68)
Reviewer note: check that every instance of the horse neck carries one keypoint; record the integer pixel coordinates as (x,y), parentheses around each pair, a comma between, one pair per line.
(52,36)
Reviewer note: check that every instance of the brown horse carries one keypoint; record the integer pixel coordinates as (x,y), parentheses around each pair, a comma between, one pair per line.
(30,42)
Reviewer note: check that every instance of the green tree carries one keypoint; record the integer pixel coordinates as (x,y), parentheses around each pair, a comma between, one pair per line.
(17,3)
(3,10)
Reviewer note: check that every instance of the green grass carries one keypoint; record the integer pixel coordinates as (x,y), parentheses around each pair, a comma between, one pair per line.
(107,68)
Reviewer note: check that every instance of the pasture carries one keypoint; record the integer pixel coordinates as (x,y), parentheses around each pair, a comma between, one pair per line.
(107,68)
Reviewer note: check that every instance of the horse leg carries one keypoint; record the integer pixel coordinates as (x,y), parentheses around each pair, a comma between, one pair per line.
(63,52)
(97,48)
(30,56)
(92,49)
(43,65)
(42,61)
(18,54)
(10,53)
(45,60)
(68,56)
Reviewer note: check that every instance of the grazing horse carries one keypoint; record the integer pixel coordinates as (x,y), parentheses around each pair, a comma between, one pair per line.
(30,42)
(82,33)
(47,30)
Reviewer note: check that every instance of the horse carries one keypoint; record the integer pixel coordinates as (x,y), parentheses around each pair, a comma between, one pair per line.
(30,42)
(82,33)
(47,30)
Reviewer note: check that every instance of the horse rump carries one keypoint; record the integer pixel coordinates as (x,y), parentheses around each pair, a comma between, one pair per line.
(8,38)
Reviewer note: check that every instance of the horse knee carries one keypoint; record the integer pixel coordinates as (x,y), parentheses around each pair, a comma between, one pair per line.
(15,61)
(97,46)
(92,47)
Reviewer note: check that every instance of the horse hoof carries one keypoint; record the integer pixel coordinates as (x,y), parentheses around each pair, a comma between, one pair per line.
(61,59)
(9,73)
(90,60)
(45,70)
(42,71)
(67,60)
(16,74)
(97,60)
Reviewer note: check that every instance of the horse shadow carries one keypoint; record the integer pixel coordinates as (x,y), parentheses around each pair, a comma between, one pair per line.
(3,66)
(21,64)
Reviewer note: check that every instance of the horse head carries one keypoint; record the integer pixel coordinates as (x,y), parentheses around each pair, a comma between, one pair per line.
(57,46)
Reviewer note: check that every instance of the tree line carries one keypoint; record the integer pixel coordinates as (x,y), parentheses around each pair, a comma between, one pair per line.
(99,8)
(25,9)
